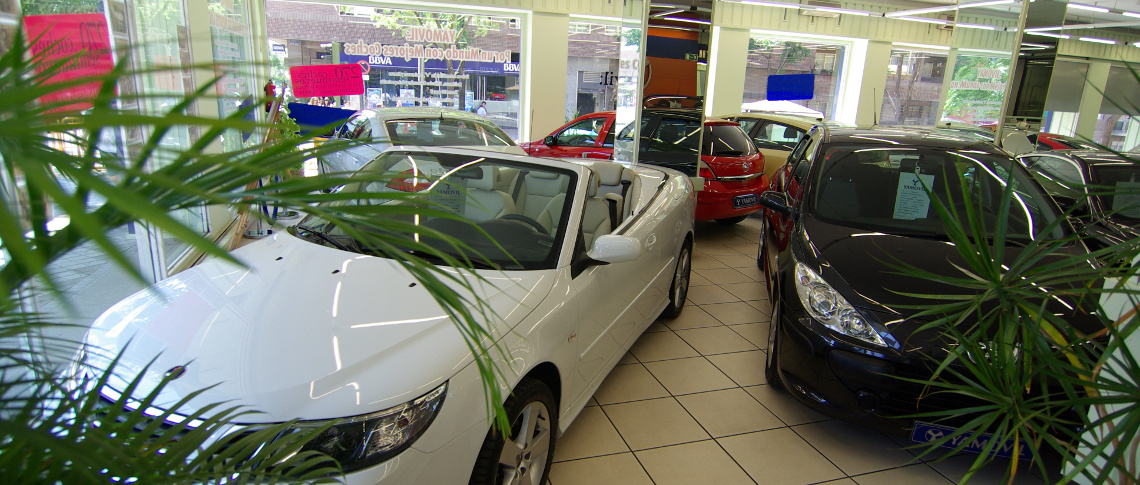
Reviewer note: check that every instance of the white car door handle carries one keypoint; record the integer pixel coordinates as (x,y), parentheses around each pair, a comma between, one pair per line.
(650,242)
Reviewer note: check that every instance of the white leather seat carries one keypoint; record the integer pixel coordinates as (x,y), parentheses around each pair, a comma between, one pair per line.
(595,215)
(536,193)
(614,178)
(483,201)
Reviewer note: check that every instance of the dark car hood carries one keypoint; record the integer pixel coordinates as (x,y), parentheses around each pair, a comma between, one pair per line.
(863,261)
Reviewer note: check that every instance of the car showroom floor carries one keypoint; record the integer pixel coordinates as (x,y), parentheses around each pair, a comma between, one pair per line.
(689,403)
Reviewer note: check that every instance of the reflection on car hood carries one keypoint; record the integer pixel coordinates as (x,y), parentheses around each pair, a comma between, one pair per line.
(303,331)
(863,260)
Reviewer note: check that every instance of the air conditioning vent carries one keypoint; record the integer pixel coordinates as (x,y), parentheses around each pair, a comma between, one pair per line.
(806,8)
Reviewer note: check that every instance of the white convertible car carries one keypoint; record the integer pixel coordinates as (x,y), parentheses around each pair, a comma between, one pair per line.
(320,328)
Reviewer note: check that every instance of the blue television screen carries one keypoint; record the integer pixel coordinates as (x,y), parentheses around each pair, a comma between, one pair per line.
(791,86)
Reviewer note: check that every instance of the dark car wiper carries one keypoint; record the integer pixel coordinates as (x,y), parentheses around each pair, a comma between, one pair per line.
(322,236)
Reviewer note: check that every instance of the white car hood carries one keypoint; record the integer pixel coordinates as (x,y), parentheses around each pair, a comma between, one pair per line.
(305,331)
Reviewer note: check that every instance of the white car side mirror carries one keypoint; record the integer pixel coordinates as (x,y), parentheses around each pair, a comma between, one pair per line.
(612,248)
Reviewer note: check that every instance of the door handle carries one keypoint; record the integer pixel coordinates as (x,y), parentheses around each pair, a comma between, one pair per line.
(650,242)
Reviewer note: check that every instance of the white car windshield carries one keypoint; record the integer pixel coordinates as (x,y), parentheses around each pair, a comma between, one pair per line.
(499,214)
(445,132)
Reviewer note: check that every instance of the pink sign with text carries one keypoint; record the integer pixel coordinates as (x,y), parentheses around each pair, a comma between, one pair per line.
(82,38)
(328,80)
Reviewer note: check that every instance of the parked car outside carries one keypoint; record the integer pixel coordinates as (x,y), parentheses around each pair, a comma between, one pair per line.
(1051,141)
(320,327)
(1101,185)
(732,167)
(416,126)
(848,205)
(775,134)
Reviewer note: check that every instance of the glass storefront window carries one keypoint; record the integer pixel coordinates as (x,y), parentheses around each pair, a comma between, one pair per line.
(1063,103)
(1117,125)
(768,56)
(976,89)
(914,84)
(592,67)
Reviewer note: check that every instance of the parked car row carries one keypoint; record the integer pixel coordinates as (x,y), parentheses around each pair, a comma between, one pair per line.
(577,256)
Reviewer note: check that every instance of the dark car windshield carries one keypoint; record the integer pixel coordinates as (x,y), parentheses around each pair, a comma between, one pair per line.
(444,132)
(414,195)
(722,140)
(1118,188)
(882,189)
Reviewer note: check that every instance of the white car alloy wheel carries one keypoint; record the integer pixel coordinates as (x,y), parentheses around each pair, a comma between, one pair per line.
(524,457)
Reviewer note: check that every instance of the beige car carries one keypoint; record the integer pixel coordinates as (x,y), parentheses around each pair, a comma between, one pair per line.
(775,134)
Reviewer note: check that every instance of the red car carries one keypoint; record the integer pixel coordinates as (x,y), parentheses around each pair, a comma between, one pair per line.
(732,167)
(1051,141)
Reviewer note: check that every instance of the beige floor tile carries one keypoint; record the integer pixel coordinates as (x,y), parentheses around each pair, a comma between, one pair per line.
(918,474)
(737,260)
(747,291)
(703,295)
(653,423)
(785,407)
(757,333)
(764,306)
(629,383)
(703,462)
(715,340)
(843,481)
(591,434)
(729,412)
(656,326)
(854,449)
(956,467)
(752,271)
(661,346)
(725,276)
(695,279)
(779,457)
(704,261)
(716,248)
(693,316)
(628,358)
(735,313)
(623,468)
(686,376)
(744,368)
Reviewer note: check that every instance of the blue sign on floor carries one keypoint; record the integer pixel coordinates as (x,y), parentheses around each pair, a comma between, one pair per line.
(927,432)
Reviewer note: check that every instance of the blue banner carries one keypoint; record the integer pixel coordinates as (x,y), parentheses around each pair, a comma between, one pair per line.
(791,86)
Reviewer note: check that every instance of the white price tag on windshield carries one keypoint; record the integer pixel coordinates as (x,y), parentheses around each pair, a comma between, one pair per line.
(911,201)
(1126,199)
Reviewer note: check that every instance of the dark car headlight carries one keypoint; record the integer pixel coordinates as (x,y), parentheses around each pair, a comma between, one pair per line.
(362,441)
(832,310)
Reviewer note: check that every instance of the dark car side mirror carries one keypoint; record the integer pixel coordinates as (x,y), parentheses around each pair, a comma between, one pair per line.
(776,201)
(549,141)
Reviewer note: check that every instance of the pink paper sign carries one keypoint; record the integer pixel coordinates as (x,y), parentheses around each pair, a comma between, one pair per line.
(334,80)
(80,37)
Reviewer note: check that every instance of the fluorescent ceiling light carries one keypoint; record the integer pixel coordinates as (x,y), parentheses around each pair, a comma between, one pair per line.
(924,19)
(837,10)
(975,26)
(1137,44)
(1130,14)
(987,4)
(771,4)
(1091,8)
(922,46)
(682,19)
(668,12)
(1098,40)
(1047,34)
(1036,46)
(919,11)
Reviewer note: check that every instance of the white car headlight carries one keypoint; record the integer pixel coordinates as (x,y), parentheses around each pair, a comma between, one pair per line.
(832,310)
(362,441)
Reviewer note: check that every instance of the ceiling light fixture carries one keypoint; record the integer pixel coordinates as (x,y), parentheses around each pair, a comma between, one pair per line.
(1130,14)
(668,12)
(918,11)
(986,4)
(771,4)
(975,26)
(682,19)
(924,19)
(837,10)
(922,46)
(1047,34)
(1098,40)
(1091,8)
